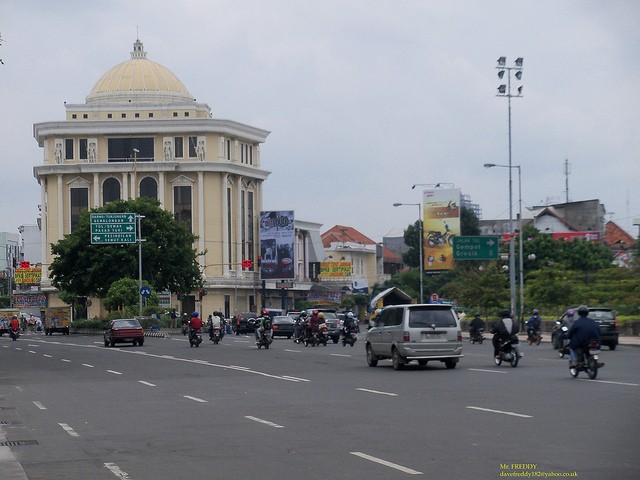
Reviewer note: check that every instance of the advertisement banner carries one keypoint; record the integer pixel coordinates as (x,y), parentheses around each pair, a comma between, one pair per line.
(28,276)
(335,270)
(441,209)
(277,238)
(29,300)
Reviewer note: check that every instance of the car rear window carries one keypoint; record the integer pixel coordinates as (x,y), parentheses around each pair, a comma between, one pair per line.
(126,324)
(428,317)
(601,314)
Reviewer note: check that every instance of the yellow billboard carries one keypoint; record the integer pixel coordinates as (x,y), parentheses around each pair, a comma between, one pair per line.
(441,222)
(28,276)
(335,270)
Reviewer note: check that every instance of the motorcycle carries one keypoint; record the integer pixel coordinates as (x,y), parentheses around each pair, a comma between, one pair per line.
(185,328)
(216,335)
(556,335)
(195,338)
(348,336)
(264,339)
(435,237)
(321,336)
(587,361)
(14,334)
(476,336)
(563,340)
(533,336)
(508,353)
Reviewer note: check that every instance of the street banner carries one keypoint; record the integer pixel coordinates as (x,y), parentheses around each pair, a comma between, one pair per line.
(277,238)
(28,276)
(335,270)
(441,208)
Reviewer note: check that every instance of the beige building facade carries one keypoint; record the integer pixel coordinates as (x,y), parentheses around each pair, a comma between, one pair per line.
(140,133)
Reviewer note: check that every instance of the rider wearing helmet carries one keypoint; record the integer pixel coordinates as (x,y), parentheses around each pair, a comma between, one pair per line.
(504,329)
(195,324)
(583,331)
(263,323)
(535,321)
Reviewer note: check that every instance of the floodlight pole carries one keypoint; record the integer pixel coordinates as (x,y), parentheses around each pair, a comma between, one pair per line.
(505,91)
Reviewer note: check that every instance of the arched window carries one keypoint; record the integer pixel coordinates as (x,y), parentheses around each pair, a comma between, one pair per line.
(149,188)
(110,190)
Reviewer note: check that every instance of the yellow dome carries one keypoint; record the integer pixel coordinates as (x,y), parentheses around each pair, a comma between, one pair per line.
(139,80)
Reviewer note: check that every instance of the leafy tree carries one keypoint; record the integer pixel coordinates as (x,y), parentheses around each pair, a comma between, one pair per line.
(168,257)
(485,289)
(124,296)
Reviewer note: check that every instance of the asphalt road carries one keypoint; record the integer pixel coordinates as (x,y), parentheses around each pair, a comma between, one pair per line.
(72,409)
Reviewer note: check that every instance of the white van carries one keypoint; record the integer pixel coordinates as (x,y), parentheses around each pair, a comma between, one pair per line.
(421,332)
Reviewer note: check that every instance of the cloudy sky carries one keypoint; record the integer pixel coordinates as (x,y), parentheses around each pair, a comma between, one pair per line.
(363,98)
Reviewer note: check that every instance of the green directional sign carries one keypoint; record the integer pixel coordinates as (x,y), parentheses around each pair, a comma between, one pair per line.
(113,228)
(475,248)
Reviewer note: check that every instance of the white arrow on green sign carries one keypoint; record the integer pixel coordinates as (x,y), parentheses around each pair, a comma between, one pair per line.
(475,247)
(113,228)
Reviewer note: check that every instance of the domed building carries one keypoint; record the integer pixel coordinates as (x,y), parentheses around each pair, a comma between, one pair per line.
(140,133)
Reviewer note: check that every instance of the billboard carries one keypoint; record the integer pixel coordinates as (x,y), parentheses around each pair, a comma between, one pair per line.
(441,221)
(277,238)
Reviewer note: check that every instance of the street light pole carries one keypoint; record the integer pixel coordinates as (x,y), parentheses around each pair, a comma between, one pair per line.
(505,91)
(421,242)
(520,244)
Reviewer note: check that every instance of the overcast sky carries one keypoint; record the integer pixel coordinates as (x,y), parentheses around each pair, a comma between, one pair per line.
(363,98)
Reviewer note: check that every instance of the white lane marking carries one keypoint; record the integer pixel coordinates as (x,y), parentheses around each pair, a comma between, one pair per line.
(195,399)
(87,365)
(146,383)
(18,348)
(377,392)
(40,405)
(31,351)
(30,345)
(293,351)
(113,468)
(339,355)
(500,411)
(47,355)
(65,360)
(265,422)
(69,430)
(609,381)
(295,378)
(487,371)
(386,463)
(239,367)
(114,372)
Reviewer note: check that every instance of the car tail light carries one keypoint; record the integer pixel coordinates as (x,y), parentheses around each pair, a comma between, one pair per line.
(459,336)
(275,327)
(615,324)
(406,337)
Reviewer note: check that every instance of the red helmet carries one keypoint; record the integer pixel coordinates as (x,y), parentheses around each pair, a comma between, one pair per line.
(315,312)
(265,313)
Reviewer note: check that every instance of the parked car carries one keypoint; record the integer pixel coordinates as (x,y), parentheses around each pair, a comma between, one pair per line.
(331,320)
(422,332)
(124,330)
(244,322)
(606,319)
(283,326)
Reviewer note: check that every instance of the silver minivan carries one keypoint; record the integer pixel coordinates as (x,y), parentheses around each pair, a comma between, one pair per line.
(421,332)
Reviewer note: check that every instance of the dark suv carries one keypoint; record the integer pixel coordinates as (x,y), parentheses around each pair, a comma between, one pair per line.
(606,319)
(244,323)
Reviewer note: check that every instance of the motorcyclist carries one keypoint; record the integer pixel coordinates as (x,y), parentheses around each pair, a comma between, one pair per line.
(567,321)
(300,324)
(215,321)
(534,324)
(195,324)
(503,330)
(185,323)
(263,324)
(476,324)
(583,331)
(349,324)
(14,324)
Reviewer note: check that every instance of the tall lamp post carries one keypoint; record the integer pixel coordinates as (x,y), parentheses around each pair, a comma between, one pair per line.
(504,90)
(420,240)
(520,248)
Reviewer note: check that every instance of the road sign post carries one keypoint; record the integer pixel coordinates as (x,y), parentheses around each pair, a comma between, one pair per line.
(110,228)
(475,247)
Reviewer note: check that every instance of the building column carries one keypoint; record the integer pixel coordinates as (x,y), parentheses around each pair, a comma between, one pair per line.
(125,186)
(201,213)
(96,190)
(44,243)
(60,209)
(237,231)
(161,189)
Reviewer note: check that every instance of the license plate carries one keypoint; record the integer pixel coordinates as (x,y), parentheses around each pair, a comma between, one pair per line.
(430,336)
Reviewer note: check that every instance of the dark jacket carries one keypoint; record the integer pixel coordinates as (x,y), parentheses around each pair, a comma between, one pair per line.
(500,329)
(582,332)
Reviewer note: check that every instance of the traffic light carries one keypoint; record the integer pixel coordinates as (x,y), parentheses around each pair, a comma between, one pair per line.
(247,264)
(201,293)
(259,261)
(24,264)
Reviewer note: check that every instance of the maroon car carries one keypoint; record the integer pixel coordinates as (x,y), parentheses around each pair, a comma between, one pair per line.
(124,331)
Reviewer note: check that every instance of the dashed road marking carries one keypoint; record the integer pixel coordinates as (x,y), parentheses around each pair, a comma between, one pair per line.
(386,463)
(69,430)
(513,414)
(377,392)
(264,422)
